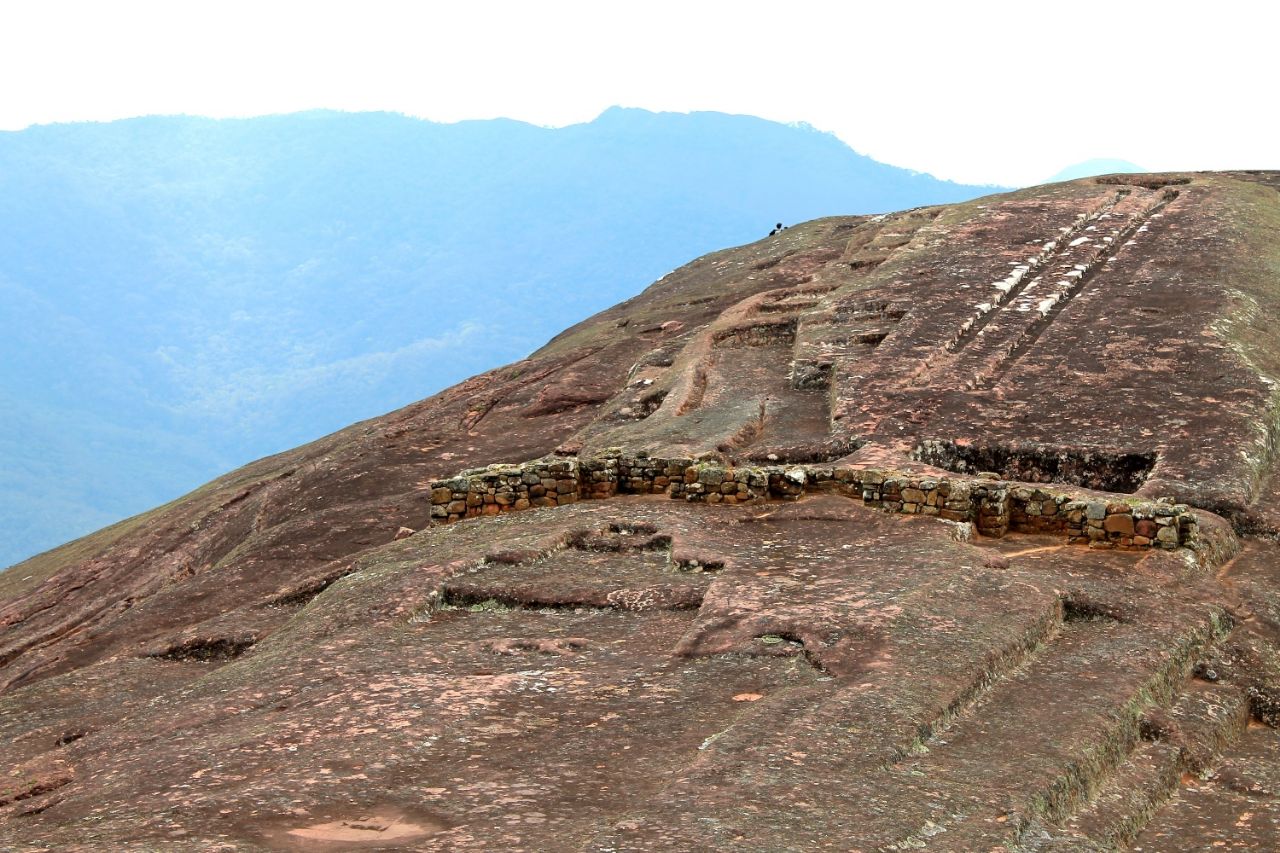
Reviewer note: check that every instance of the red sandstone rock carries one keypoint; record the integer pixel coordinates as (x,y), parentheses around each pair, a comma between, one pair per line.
(812,661)
(1121,524)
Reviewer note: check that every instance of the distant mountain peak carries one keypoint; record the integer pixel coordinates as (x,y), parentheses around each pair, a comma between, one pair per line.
(880,532)
(1093,168)
(189,293)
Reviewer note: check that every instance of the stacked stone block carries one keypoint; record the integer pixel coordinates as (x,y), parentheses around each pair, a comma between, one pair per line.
(1130,524)
(643,475)
(993,506)
(506,488)
(712,483)
(950,499)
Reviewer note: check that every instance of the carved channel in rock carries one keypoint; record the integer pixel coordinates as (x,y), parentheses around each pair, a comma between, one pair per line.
(697,390)
(1051,303)
(1026,277)
(1036,640)
(1180,731)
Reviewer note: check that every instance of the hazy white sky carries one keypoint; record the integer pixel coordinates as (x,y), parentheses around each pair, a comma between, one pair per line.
(984,92)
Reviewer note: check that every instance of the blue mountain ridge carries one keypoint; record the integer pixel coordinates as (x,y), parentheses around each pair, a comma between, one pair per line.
(181,295)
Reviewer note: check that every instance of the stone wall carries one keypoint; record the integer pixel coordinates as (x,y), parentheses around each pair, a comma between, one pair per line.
(552,482)
(993,506)
(505,488)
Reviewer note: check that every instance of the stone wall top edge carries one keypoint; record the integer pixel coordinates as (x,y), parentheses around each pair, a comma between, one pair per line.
(841,473)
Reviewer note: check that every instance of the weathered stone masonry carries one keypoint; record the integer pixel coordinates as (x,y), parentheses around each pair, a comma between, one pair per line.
(993,506)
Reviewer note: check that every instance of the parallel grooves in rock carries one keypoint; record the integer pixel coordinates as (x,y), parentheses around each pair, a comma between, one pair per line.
(1003,665)
(968,333)
(1088,758)
(1033,332)
(1150,777)
(1076,791)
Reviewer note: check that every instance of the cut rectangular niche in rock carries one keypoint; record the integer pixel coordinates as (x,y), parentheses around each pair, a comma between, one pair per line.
(1103,471)
(867,309)
(650,403)
(777,333)
(216,649)
(1081,609)
(811,375)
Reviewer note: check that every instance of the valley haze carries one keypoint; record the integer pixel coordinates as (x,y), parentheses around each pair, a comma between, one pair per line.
(183,295)
(954,528)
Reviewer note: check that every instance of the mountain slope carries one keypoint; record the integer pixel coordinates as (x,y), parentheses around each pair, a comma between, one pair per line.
(972,546)
(182,295)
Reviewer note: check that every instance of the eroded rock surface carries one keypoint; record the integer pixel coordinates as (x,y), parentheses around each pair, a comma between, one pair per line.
(948,529)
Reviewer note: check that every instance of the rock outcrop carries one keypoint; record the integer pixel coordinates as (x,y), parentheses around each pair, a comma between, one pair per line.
(947,529)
